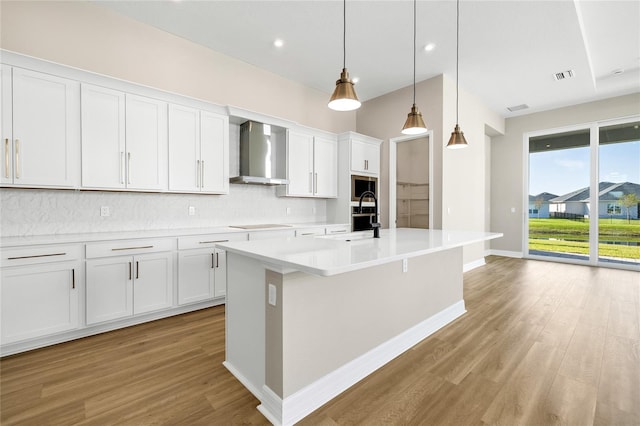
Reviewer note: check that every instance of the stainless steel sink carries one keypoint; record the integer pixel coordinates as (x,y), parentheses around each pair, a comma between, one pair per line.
(352,236)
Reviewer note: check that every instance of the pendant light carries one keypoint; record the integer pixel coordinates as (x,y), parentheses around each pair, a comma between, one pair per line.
(457,139)
(414,124)
(344,96)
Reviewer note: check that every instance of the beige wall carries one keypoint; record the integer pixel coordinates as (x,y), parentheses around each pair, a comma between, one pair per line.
(89,37)
(459,176)
(383,118)
(507,176)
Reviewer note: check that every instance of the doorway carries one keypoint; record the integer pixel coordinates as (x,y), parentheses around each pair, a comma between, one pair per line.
(410,176)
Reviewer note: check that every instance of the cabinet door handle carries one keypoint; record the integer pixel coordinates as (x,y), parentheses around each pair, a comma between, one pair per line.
(315,183)
(131,248)
(310,182)
(130,272)
(36,255)
(17,165)
(212,264)
(6,157)
(197,173)
(73,279)
(212,242)
(137,270)
(202,174)
(217,260)
(128,167)
(122,167)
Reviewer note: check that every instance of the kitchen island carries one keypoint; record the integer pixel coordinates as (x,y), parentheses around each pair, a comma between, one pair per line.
(307,318)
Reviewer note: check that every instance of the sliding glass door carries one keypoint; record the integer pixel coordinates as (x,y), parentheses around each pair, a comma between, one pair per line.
(619,197)
(559,194)
(584,194)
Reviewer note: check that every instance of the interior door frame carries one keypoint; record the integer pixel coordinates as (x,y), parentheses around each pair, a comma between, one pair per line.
(393,155)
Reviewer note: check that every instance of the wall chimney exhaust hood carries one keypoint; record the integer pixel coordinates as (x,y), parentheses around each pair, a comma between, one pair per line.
(262,154)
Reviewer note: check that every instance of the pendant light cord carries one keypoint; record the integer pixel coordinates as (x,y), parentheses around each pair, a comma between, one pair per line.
(457,53)
(344,34)
(414,51)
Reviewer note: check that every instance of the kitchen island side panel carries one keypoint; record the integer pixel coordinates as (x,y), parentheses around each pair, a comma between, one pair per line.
(329,321)
(245,321)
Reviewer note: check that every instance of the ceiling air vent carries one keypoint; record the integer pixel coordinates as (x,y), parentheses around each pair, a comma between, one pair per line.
(563,75)
(518,107)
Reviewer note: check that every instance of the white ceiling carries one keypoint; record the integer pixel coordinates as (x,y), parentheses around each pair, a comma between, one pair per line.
(509,50)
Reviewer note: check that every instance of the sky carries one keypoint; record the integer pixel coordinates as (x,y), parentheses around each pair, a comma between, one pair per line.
(566,170)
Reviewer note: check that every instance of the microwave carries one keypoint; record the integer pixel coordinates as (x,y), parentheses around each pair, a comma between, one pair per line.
(360,184)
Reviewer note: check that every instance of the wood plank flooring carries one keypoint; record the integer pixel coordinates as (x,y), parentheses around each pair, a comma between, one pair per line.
(541,344)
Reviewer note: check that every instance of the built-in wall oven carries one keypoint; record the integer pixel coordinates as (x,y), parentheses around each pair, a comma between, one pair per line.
(361,184)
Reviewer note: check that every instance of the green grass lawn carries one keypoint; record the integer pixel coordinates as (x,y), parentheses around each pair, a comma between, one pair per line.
(568,236)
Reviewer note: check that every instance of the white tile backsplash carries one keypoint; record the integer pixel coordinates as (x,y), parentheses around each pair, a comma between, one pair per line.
(42,212)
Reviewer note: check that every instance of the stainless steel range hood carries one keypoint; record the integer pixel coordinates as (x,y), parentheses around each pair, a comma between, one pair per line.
(262,154)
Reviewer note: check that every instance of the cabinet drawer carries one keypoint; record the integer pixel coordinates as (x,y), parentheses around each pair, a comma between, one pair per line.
(209,240)
(128,247)
(40,254)
(265,235)
(338,229)
(309,231)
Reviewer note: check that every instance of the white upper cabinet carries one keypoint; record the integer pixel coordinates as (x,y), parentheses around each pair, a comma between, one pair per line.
(40,129)
(198,151)
(312,165)
(146,140)
(299,164)
(124,140)
(325,166)
(365,156)
(103,140)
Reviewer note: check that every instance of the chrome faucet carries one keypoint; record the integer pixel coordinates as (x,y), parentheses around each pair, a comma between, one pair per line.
(374,224)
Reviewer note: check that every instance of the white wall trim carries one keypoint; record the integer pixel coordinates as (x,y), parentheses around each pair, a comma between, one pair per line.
(295,407)
(473,265)
(504,253)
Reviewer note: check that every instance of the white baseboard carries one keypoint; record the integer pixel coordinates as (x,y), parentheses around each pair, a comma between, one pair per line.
(504,253)
(295,407)
(245,382)
(473,265)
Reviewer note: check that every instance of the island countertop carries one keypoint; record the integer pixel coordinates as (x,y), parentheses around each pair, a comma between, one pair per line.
(331,255)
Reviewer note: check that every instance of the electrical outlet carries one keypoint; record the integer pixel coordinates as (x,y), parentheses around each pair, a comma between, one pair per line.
(105,211)
(288,211)
(192,210)
(513,209)
(272,295)
(405,265)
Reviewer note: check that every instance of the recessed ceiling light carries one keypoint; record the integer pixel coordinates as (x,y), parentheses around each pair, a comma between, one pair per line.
(278,42)
(429,47)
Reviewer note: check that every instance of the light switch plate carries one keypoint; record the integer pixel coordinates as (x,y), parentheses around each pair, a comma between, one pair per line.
(105,211)
(192,210)
(405,265)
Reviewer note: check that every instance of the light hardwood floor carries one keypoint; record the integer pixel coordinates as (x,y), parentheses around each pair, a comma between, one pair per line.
(542,343)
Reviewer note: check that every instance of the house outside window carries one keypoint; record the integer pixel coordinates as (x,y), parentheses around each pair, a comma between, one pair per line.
(613,208)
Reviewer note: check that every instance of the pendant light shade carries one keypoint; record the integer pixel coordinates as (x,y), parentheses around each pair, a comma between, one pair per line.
(457,139)
(414,124)
(344,96)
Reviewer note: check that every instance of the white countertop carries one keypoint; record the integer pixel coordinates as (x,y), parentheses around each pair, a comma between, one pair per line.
(16,241)
(331,255)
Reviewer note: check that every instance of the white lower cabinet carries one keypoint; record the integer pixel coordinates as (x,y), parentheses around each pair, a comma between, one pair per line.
(202,268)
(40,293)
(122,286)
